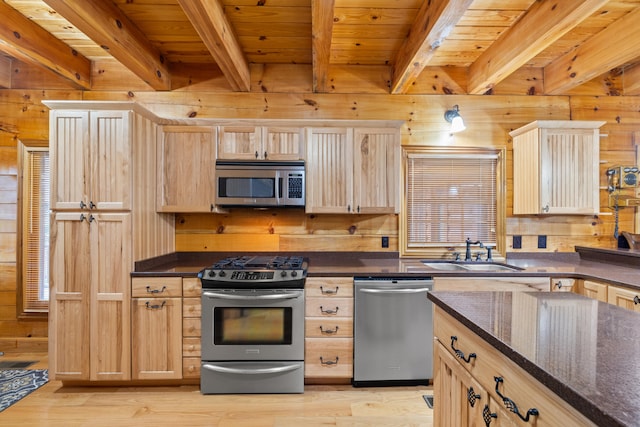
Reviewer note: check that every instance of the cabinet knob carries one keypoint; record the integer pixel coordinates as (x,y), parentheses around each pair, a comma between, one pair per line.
(256,154)
(82,204)
(545,208)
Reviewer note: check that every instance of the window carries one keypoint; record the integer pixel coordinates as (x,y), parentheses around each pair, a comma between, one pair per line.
(33,276)
(452,195)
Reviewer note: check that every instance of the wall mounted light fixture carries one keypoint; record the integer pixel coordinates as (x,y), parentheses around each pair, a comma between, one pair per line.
(453,116)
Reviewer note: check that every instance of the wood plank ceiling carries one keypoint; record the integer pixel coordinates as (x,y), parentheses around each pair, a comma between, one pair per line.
(571,41)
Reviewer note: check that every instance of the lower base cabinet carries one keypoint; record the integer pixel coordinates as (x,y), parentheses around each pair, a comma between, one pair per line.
(464,388)
(156,328)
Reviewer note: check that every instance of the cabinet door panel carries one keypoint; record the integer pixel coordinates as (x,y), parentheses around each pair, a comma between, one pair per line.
(186,169)
(329,169)
(110,308)
(283,143)
(69,298)
(240,142)
(157,338)
(70,160)
(376,170)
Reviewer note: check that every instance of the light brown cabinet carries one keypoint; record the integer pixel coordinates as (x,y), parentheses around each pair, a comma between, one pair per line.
(89,313)
(498,283)
(622,297)
(563,284)
(455,374)
(592,289)
(191,327)
(186,169)
(156,328)
(352,170)
(556,167)
(90,160)
(249,142)
(328,327)
(103,218)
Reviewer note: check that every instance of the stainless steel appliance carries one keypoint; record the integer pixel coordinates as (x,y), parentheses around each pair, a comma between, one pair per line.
(393,331)
(253,325)
(260,184)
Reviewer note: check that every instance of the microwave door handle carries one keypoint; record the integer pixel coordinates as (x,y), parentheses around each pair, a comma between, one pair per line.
(279,197)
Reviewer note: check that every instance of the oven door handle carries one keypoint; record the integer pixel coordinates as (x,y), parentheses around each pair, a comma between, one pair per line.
(251,297)
(394,291)
(262,371)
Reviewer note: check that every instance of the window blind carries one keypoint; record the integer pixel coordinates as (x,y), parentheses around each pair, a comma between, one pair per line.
(36,231)
(451,197)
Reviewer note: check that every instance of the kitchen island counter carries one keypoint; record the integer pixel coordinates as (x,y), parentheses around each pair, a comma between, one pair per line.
(583,350)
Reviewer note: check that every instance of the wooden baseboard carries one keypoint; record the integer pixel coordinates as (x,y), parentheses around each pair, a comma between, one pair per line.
(23,345)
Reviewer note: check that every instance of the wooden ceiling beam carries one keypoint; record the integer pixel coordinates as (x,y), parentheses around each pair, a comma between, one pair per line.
(209,20)
(29,42)
(615,46)
(543,24)
(322,30)
(5,72)
(434,22)
(110,28)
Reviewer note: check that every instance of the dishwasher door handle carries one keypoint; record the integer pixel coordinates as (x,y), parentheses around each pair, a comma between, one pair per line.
(394,291)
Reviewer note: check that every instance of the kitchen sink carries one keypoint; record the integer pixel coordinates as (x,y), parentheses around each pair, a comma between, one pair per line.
(470,266)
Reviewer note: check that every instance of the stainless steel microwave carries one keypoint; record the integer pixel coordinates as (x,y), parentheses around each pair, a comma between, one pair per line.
(264,183)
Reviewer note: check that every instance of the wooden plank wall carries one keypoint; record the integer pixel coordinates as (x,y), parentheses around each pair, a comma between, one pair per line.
(284,92)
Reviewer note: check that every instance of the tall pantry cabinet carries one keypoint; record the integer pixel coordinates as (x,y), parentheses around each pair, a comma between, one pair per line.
(103,218)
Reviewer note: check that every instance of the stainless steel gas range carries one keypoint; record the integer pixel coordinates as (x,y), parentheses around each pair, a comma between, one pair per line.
(253,325)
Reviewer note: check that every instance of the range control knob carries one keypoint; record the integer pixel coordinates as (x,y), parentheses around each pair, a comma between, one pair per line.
(294,273)
(211,273)
(222,274)
(283,273)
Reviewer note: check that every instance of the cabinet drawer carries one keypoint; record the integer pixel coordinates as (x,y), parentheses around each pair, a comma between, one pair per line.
(329,287)
(191,307)
(328,357)
(336,327)
(190,367)
(517,384)
(191,327)
(191,287)
(328,307)
(191,347)
(163,287)
(562,284)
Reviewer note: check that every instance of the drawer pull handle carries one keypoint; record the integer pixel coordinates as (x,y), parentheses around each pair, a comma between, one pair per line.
(155,291)
(559,284)
(155,306)
(460,354)
(636,300)
(487,415)
(328,362)
(329,331)
(329,311)
(328,291)
(511,405)
(472,397)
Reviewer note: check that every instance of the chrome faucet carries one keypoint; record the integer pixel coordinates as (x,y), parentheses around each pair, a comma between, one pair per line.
(467,255)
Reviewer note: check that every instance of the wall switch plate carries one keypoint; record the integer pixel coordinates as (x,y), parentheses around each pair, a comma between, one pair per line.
(385,241)
(542,242)
(517,242)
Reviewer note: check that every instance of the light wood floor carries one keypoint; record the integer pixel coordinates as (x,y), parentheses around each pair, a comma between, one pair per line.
(54,405)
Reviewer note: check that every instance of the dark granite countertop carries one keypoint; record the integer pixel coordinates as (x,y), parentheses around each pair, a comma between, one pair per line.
(584,350)
(621,267)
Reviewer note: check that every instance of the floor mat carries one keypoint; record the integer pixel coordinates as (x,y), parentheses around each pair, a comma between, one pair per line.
(16,364)
(18,383)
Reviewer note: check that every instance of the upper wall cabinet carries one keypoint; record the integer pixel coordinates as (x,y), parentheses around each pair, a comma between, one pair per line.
(260,143)
(556,167)
(91,152)
(186,169)
(352,170)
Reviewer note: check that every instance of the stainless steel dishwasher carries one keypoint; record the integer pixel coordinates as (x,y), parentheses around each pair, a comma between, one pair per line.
(393,331)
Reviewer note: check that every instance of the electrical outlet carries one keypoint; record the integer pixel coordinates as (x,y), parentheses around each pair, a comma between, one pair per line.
(542,242)
(385,241)
(517,242)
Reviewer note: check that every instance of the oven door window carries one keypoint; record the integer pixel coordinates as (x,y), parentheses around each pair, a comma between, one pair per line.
(252,325)
(253,188)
